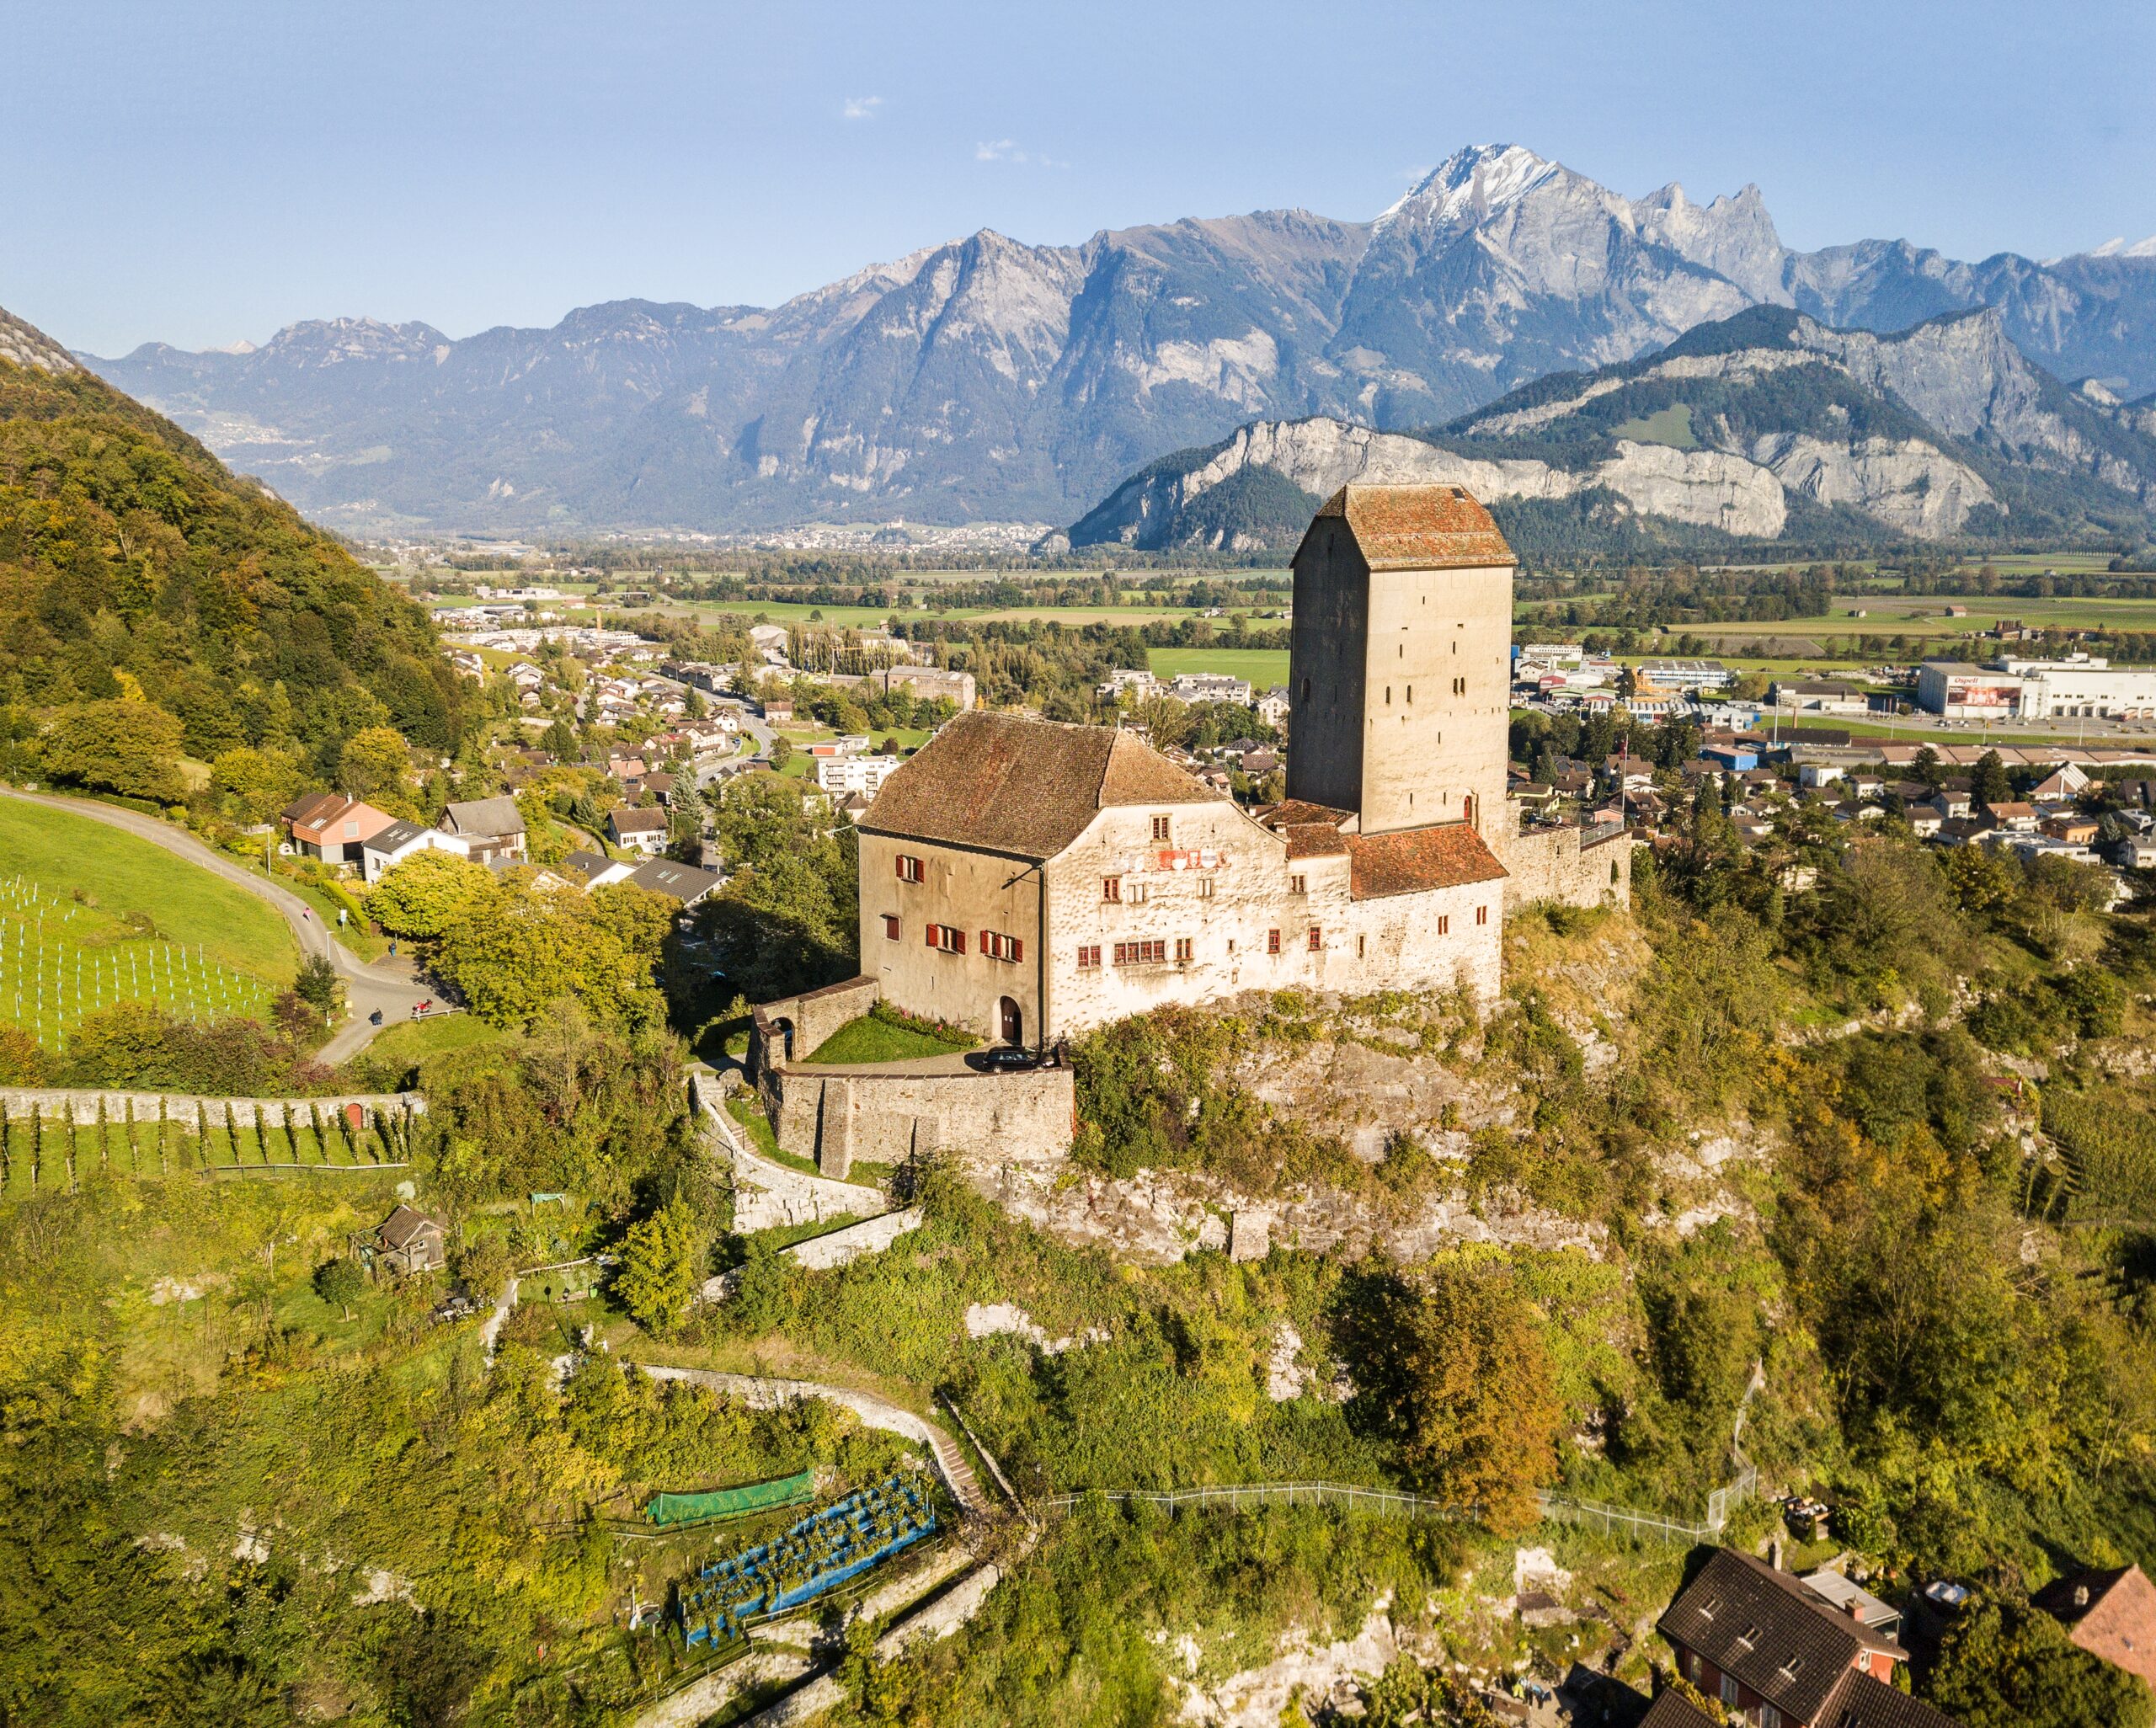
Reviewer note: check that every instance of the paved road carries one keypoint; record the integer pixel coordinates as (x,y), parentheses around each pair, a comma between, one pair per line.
(390,985)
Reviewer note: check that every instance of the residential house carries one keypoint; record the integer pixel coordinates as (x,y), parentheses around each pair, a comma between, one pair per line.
(779,710)
(407,1241)
(627,772)
(594,871)
(399,841)
(685,883)
(1951,803)
(1923,820)
(2076,830)
(331,827)
(639,830)
(865,775)
(1962,830)
(1274,707)
(2110,1614)
(2014,818)
(491,828)
(1770,1648)
(2065,782)
(660,785)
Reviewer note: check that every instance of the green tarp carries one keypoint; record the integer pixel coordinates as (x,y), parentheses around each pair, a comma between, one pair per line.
(667,1509)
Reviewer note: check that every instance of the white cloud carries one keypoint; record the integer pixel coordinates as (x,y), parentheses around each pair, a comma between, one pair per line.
(1007,150)
(861,107)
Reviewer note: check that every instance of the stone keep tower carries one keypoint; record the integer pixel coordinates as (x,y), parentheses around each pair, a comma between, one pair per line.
(1399,660)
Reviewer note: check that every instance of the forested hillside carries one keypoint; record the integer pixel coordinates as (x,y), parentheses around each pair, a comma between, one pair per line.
(136,569)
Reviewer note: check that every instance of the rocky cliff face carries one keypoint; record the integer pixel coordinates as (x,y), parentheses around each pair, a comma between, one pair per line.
(1729,428)
(983,378)
(25,346)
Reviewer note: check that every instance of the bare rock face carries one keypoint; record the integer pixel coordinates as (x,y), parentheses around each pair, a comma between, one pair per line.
(26,345)
(1904,483)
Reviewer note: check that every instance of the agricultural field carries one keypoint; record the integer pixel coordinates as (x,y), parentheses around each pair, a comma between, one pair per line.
(1263,667)
(90,916)
(1925,615)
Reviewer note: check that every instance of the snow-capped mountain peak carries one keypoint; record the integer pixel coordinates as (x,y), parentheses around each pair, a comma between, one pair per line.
(1469,185)
(2124,249)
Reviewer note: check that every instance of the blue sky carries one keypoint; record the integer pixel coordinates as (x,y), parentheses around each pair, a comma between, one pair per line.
(198,173)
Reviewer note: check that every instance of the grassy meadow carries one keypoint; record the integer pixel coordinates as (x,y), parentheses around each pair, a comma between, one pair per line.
(90,916)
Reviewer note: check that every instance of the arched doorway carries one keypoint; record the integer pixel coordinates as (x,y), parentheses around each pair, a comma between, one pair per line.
(784,1028)
(1010,1024)
(1467,809)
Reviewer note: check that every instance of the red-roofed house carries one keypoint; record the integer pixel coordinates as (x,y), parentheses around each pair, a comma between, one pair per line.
(2109,1614)
(334,828)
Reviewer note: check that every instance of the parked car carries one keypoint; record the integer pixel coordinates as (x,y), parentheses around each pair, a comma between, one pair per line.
(1005,1058)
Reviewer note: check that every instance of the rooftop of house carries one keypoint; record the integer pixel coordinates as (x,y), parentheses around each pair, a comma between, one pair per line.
(1417,860)
(2111,1614)
(397,834)
(1672,1710)
(1026,787)
(493,816)
(1765,1629)
(684,882)
(586,865)
(402,1225)
(636,821)
(1417,527)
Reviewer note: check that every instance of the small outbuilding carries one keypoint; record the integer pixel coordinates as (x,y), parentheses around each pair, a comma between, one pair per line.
(410,1240)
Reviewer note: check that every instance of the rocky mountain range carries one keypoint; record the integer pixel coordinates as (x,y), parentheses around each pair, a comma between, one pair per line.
(1765,426)
(987,380)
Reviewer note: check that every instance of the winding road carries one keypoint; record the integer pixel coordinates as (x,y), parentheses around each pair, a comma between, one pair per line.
(392,986)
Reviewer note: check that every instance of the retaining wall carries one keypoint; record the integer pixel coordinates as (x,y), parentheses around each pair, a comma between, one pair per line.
(991,1122)
(57,1105)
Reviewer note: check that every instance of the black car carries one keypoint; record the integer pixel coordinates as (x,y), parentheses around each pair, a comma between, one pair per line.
(1005,1058)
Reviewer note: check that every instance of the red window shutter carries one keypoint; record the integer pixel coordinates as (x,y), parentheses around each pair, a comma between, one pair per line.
(1017,949)
(988,942)
(957,941)
(933,930)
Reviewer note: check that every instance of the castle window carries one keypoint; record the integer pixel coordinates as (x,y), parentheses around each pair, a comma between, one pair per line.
(912,869)
(1298,885)
(1317,939)
(1411,695)
(1185,948)
(1359,943)
(891,926)
(947,940)
(1482,914)
(1111,887)
(1089,958)
(1388,696)
(1306,689)
(1272,941)
(1403,652)
(998,947)
(1148,953)
(1444,924)
(1160,829)
(1206,885)
(1134,894)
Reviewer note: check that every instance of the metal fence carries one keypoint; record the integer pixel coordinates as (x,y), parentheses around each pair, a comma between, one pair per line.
(1384,1502)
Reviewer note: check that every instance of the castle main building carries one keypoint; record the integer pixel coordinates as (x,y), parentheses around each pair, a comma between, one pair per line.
(1030,880)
